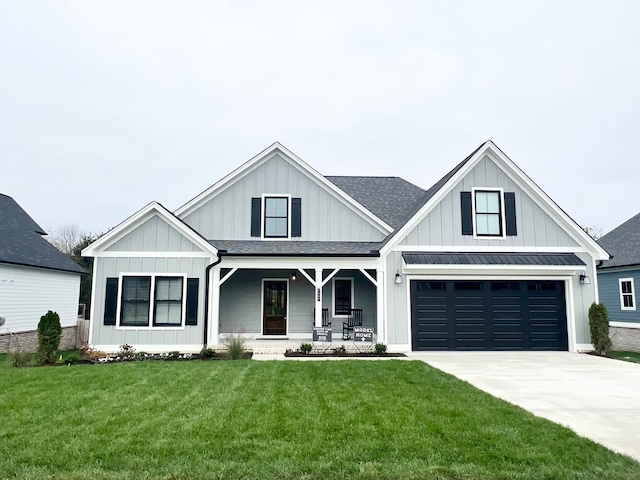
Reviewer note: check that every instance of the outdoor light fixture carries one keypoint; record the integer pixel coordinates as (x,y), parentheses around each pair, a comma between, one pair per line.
(294,277)
(584,279)
(398,280)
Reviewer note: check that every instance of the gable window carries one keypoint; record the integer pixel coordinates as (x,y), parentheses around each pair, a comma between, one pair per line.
(627,294)
(276,217)
(488,213)
(168,301)
(342,297)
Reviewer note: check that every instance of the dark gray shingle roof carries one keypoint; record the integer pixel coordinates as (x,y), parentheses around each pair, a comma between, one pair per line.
(21,241)
(261,247)
(545,259)
(389,198)
(623,244)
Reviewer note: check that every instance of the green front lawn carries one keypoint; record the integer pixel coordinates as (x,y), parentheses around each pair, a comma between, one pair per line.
(285,420)
(626,356)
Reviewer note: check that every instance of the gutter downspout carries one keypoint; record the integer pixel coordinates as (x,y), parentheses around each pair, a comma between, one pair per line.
(206,297)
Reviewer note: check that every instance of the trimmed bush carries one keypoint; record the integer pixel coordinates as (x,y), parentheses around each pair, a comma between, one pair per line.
(306,348)
(381,348)
(599,328)
(49,335)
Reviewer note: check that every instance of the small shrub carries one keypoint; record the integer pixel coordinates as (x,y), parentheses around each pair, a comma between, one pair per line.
(92,354)
(49,335)
(306,348)
(174,355)
(127,352)
(381,348)
(19,359)
(235,347)
(72,358)
(141,356)
(340,350)
(207,353)
(599,328)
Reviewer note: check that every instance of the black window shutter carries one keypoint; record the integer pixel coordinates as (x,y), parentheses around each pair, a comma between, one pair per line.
(296,217)
(467,213)
(256,207)
(192,301)
(110,301)
(510,213)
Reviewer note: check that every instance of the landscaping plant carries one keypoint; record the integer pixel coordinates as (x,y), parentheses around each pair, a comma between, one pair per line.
(381,348)
(599,328)
(235,347)
(306,348)
(49,335)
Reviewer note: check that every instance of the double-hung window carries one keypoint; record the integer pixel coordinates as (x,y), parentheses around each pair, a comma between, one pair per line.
(488,213)
(152,299)
(276,217)
(136,298)
(627,294)
(168,301)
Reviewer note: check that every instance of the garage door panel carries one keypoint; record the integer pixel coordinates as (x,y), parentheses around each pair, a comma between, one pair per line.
(489,315)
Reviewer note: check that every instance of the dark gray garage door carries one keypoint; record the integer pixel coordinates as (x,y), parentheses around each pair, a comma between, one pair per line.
(488,315)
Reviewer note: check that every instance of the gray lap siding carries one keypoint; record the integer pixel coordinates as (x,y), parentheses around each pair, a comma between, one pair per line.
(609,288)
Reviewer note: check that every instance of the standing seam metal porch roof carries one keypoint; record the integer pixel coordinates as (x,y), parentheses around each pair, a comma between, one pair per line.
(524,259)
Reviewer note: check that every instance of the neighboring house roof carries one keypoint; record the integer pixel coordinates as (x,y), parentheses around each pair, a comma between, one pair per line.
(21,241)
(297,248)
(545,259)
(390,198)
(623,243)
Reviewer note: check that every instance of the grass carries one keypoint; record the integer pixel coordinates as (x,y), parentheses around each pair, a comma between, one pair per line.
(283,420)
(626,356)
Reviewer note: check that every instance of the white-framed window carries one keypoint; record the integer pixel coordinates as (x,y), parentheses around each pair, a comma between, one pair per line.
(627,294)
(152,301)
(276,216)
(342,297)
(488,212)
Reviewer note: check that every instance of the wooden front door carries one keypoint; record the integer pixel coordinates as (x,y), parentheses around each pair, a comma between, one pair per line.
(275,308)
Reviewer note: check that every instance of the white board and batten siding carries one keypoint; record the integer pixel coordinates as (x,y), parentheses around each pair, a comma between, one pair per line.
(180,257)
(324,216)
(443,224)
(27,293)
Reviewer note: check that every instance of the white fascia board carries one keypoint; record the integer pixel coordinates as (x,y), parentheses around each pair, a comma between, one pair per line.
(289,156)
(294,263)
(633,325)
(137,219)
(523,181)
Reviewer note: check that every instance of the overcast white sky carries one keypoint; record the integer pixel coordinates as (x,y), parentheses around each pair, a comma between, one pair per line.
(105,106)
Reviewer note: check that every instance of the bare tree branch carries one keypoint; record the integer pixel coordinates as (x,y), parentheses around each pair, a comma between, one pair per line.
(66,238)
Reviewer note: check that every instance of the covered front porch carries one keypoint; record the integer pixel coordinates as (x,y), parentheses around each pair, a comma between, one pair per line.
(277,308)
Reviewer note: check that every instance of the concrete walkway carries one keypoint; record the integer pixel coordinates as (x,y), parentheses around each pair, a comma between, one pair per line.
(598,398)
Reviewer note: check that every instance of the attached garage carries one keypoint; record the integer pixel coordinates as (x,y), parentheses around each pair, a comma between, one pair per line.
(488,315)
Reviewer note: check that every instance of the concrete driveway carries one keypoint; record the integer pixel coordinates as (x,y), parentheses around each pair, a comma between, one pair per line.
(598,398)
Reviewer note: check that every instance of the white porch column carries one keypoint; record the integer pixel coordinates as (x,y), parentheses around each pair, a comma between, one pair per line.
(380,313)
(214,307)
(318,298)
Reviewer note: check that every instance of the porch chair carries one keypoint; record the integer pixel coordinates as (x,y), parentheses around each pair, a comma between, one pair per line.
(325,317)
(354,320)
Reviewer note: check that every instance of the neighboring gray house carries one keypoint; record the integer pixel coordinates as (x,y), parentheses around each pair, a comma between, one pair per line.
(34,277)
(482,260)
(618,279)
